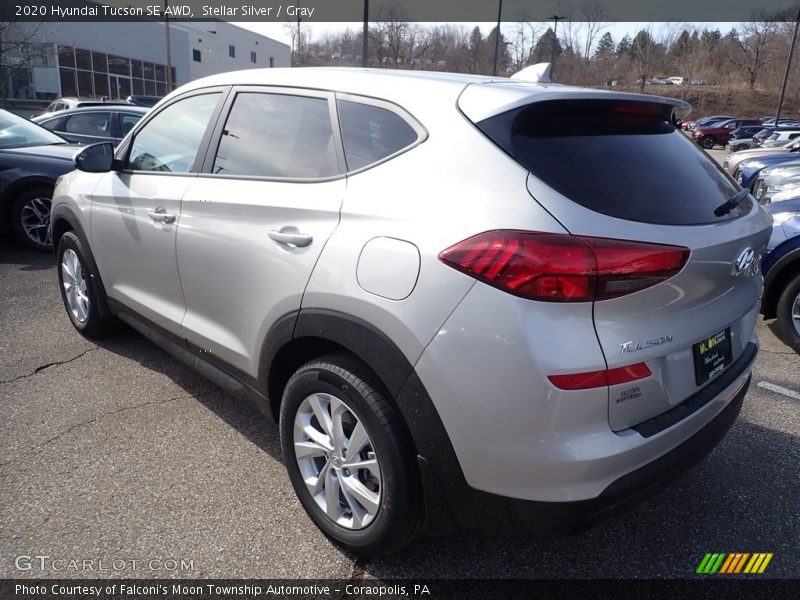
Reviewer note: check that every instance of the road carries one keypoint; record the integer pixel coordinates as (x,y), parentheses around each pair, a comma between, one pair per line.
(115,451)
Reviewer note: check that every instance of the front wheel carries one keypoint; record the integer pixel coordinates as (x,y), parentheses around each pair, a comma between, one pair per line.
(349,457)
(788,313)
(708,142)
(81,291)
(740,147)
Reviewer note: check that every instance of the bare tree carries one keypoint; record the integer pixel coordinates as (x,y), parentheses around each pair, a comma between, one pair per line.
(754,41)
(300,37)
(594,14)
(17,51)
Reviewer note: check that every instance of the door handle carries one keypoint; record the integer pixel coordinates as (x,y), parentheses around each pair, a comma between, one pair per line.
(291,236)
(160,215)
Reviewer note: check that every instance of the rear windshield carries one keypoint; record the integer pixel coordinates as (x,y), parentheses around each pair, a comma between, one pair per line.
(626,160)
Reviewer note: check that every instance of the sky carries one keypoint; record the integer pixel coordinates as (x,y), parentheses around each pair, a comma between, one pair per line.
(618,30)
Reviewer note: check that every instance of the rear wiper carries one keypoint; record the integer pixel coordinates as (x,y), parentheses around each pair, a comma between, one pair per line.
(727,206)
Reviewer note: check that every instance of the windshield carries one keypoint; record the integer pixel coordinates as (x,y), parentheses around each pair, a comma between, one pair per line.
(17,132)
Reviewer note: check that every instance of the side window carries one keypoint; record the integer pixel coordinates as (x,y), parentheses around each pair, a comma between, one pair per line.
(51,124)
(277,135)
(127,121)
(793,135)
(170,140)
(97,124)
(371,133)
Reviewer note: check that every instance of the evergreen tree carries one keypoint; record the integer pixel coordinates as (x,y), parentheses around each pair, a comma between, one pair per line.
(605,47)
(624,46)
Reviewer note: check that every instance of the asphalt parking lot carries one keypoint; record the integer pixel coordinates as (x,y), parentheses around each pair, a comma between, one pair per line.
(116,451)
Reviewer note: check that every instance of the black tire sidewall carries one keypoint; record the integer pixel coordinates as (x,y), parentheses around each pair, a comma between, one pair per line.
(399,494)
(708,143)
(16,215)
(784,313)
(95,322)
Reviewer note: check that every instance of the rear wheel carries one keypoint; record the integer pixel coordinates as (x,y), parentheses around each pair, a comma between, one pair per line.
(349,457)
(30,218)
(708,142)
(788,313)
(740,147)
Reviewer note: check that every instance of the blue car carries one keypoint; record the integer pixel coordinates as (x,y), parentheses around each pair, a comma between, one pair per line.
(781,267)
(747,171)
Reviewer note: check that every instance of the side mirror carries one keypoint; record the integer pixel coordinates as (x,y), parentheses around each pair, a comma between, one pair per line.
(97,158)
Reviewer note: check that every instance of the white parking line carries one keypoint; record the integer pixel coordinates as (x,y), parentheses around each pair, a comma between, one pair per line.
(778,389)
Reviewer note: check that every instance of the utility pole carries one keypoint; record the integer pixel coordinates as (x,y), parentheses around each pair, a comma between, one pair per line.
(556,19)
(497,37)
(169,48)
(788,66)
(365,35)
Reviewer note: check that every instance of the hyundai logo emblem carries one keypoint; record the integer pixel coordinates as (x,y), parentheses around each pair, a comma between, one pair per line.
(747,263)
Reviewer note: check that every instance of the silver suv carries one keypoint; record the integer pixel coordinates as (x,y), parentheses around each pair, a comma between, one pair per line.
(471,303)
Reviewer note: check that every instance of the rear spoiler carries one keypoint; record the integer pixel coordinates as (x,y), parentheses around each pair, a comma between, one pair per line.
(479,101)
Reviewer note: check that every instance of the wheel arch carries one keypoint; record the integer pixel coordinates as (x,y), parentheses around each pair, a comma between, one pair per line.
(777,277)
(310,333)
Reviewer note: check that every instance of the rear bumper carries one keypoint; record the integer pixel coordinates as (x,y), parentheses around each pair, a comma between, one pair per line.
(484,513)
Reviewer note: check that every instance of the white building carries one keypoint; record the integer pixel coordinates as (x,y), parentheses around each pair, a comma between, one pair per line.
(118,59)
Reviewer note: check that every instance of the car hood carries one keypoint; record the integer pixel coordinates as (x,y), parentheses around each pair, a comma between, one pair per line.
(61,151)
(769,159)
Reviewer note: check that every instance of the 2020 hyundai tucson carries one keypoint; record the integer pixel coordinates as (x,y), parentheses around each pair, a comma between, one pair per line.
(470,302)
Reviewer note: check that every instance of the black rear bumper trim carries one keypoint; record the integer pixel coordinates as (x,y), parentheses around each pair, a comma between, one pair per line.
(694,403)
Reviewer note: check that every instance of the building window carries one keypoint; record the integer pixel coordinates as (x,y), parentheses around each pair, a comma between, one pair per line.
(253,56)
(232,51)
(271,61)
(197,56)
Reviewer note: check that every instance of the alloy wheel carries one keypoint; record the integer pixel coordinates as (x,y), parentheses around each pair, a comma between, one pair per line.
(75,288)
(337,461)
(35,220)
(796,313)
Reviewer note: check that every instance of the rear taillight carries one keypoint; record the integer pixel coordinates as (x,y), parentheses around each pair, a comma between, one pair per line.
(596,379)
(555,267)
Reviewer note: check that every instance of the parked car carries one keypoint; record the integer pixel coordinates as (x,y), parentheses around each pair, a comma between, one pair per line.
(773,180)
(780,137)
(718,132)
(748,170)
(707,121)
(552,353)
(148,101)
(781,266)
(31,159)
(70,103)
(732,161)
(93,124)
(783,121)
(742,138)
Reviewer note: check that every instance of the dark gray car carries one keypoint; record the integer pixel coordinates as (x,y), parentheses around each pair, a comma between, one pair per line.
(93,124)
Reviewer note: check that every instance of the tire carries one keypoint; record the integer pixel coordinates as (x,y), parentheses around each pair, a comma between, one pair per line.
(340,384)
(788,313)
(80,287)
(740,147)
(708,142)
(30,218)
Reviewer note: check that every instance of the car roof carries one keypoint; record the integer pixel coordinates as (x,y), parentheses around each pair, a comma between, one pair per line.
(415,88)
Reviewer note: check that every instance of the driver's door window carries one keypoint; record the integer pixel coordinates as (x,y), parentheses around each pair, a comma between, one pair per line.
(170,140)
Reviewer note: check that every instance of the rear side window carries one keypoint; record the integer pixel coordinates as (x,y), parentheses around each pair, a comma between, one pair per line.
(625,160)
(277,136)
(371,133)
(96,124)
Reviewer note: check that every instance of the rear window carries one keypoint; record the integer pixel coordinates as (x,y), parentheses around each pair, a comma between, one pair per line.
(625,160)
(371,133)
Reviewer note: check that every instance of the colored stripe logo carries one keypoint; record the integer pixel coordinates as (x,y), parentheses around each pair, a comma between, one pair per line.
(734,562)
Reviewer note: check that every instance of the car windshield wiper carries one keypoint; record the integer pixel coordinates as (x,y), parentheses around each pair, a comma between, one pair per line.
(727,206)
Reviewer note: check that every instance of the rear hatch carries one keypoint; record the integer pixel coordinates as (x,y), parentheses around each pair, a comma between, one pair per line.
(615,166)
